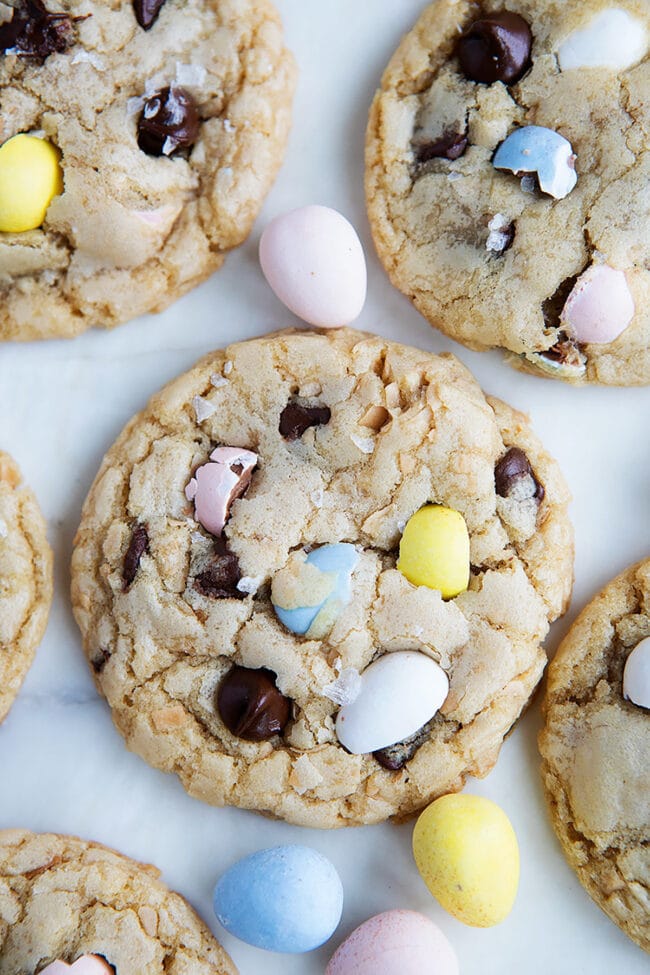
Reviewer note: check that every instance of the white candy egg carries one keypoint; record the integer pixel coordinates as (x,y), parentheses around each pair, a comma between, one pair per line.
(400,692)
(314,262)
(636,676)
(612,39)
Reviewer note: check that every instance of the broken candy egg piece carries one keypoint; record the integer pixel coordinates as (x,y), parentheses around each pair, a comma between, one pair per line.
(536,149)
(309,595)
(599,307)
(217,484)
(636,675)
(86,965)
(612,39)
(399,693)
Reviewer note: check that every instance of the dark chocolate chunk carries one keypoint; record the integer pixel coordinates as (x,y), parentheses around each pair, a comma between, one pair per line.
(138,545)
(34,32)
(451,145)
(394,757)
(169,122)
(146,12)
(496,48)
(250,704)
(99,662)
(295,419)
(219,578)
(553,306)
(511,476)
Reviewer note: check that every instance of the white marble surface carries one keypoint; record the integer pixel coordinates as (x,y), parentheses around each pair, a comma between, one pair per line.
(62,765)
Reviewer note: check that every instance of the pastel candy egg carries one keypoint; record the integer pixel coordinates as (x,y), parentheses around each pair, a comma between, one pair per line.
(313,260)
(599,307)
(535,149)
(30,177)
(398,694)
(636,675)
(395,943)
(218,483)
(86,965)
(434,550)
(466,851)
(612,39)
(286,899)
(308,595)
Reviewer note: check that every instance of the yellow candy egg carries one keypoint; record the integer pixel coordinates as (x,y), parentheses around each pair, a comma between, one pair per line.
(467,853)
(434,550)
(30,177)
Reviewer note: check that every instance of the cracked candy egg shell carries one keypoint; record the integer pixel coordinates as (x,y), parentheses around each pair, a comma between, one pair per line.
(431,215)
(378,430)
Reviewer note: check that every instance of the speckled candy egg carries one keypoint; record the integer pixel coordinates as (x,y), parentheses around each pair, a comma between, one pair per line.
(395,943)
(287,899)
(314,262)
(466,851)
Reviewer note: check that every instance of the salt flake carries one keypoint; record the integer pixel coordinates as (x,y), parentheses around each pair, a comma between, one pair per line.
(346,688)
(203,408)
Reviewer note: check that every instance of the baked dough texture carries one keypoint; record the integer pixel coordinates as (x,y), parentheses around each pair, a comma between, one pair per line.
(432,220)
(62,897)
(595,748)
(25,580)
(131,231)
(406,427)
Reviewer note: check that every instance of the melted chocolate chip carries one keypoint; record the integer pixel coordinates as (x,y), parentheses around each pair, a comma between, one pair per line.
(394,757)
(99,662)
(146,12)
(496,48)
(34,32)
(250,704)
(451,145)
(138,545)
(295,419)
(169,122)
(219,578)
(512,473)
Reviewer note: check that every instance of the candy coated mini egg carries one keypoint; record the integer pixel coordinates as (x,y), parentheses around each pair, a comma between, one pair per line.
(636,675)
(536,149)
(30,177)
(286,899)
(314,615)
(467,853)
(395,943)
(399,693)
(599,307)
(612,39)
(434,550)
(314,262)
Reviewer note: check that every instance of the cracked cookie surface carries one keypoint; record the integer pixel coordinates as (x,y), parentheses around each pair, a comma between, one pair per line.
(352,435)
(133,231)
(595,748)
(485,257)
(62,897)
(25,580)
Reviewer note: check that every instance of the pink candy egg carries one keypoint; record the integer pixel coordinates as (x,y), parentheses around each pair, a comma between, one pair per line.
(395,943)
(600,305)
(87,965)
(314,262)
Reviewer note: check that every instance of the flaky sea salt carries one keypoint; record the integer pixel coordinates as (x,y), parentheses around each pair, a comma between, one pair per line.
(227,368)
(346,688)
(203,408)
(228,126)
(4,531)
(89,57)
(365,444)
(190,75)
(498,238)
(217,381)
(249,584)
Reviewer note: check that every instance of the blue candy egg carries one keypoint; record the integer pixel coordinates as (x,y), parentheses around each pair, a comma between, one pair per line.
(286,899)
(536,149)
(339,560)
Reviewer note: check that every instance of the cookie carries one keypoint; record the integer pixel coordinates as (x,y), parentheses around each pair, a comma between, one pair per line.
(240,576)
(506,181)
(165,125)
(25,580)
(64,898)
(595,747)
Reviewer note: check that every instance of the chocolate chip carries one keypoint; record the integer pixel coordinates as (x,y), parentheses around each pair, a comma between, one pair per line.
(138,545)
(169,121)
(553,306)
(250,704)
(146,12)
(34,32)
(99,662)
(513,476)
(394,757)
(496,48)
(451,145)
(219,578)
(295,419)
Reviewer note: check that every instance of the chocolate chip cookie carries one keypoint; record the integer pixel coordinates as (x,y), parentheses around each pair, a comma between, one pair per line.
(25,580)
(506,181)
(64,899)
(595,748)
(166,121)
(313,576)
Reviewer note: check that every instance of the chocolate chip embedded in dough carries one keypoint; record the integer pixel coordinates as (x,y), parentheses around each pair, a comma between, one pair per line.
(496,48)
(146,12)
(295,419)
(515,478)
(451,145)
(394,757)
(250,704)
(219,578)
(169,122)
(35,32)
(138,545)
